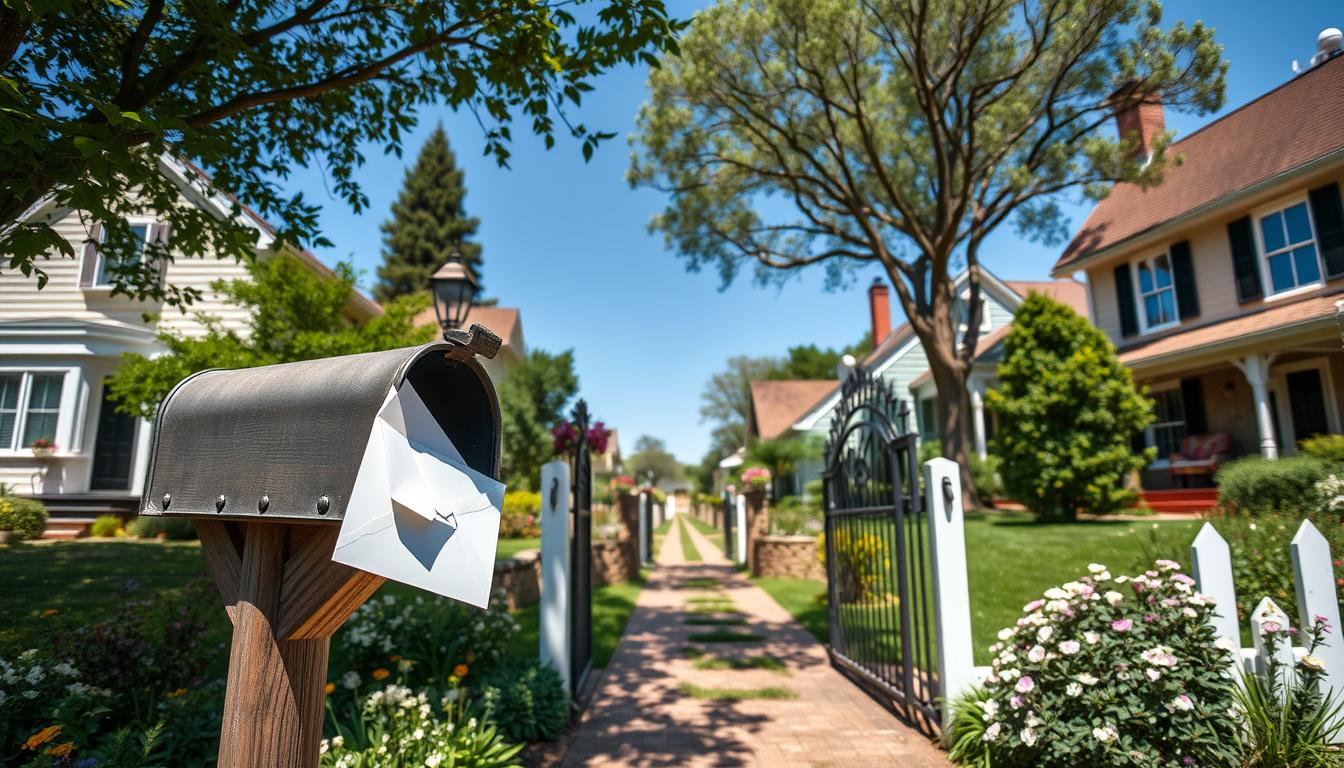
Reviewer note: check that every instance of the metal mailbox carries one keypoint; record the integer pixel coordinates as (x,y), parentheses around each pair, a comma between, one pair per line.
(284,442)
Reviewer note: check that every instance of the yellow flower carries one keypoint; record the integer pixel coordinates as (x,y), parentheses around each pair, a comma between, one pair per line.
(42,737)
(48,613)
(460,670)
(179,693)
(331,688)
(61,750)
(380,674)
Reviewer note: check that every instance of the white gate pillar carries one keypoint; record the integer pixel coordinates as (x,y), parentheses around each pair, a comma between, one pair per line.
(951,586)
(555,568)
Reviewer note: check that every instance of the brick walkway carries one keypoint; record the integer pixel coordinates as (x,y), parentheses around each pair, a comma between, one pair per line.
(639,715)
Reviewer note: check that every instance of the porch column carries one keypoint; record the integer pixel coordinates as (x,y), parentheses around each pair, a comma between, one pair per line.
(1256,369)
(978,420)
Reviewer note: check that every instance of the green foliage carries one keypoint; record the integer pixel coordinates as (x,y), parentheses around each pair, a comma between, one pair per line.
(1260,547)
(862,564)
(1067,412)
(1099,672)
(774,692)
(651,459)
(253,91)
(984,472)
(161,527)
(782,455)
(292,314)
(428,223)
(25,518)
(521,518)
(1324,446)
(528,700)
(966,737)
(796,516)
(1257,486)
(105,526)
(1289,724)
(725,402)
(532,399)
(810,362)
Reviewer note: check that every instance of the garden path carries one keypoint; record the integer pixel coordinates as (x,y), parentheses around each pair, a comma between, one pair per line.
(642,714)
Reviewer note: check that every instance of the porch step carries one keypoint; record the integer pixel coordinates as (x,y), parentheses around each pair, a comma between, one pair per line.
(1189,500)
(67,527)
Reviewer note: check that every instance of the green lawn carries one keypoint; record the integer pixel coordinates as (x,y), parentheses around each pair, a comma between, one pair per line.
(510,547)
(688,551)
(612,606)
(1012,559)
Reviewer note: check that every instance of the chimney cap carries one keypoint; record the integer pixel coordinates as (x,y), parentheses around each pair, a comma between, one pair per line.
(1330,40)
(878,283)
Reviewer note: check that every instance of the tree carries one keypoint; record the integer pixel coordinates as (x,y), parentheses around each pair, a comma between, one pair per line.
(293,314)
(1068,411)
(808,361)
(95,96)
(726,398)
(782,455)
(428,223)
(532,399)
(652,462)
(905,133)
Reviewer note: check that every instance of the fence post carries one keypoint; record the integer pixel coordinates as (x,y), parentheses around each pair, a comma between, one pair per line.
(1211,561)
(1314,574)
(740,523)
(555,568)
(645,513)
(951,587)
(1266,613)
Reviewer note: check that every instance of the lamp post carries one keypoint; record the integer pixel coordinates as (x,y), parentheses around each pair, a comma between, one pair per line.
(453,287)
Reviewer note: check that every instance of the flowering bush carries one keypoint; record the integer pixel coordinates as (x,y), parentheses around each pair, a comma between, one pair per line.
(46,707)
(396,727)
(521,515)
(565,438)
(25,518)
(1261,555)
(43,445)
(756,479)
(1112,672)
(598,437)
(623,485)
(528,700)
(862,559)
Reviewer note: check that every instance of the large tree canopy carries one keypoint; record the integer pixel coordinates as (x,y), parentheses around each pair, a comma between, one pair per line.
(904,132)
(93,94)
(533,398)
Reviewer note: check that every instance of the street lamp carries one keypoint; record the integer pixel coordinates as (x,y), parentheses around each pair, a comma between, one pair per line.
(453,287)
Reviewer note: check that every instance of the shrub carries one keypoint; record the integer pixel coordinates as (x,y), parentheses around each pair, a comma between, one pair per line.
(521,518)
(1262,563)
(1106,671)
(156,527)
(984,472)
(25,518)
(47,703)
(793,516)
(862,560)
(1067,411)
(1257,485)
(528,700)
(1324,447)
(105,526)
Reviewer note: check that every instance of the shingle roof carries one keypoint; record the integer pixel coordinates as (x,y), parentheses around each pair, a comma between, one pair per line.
(1071,293)
(500,320)
(777,405)
(1293,125)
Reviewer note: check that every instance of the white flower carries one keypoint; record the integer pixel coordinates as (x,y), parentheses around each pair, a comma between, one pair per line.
(991,708)
(433,760)
(322,747)
(1182,702)
(1227,645)
(1069,647)
(1036,655)
(1055,593)
(337,742)
(1009,675)
(1114,598)
(1028,736)
(1153,674)
(1007,633)
(1087,679)
(350,680)
(1312,663)
(1044,633)
(1091,637)
(1073,690)
(991,734)
(1095,568)
(418,734)
(1106,734)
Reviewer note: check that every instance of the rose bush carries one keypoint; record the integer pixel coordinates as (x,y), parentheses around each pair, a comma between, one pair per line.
(1110,671)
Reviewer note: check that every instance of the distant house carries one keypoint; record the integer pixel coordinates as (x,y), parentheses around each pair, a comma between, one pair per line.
(1219,286)
(808,406)
(504,322)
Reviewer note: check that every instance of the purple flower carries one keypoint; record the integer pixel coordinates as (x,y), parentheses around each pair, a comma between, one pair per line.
(1121,625)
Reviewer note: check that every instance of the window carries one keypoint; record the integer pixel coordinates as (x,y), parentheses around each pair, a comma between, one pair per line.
(1289,248)
(1157,292)
(1168,427)
(107,265)
(30,406)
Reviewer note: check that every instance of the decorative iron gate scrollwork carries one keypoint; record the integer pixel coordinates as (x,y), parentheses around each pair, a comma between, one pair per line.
(581,555)
(877,570)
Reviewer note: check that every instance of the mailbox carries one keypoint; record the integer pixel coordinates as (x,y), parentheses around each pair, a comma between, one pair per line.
(284,442)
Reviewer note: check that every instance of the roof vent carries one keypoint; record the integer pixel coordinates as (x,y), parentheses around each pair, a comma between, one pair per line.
(1328,45)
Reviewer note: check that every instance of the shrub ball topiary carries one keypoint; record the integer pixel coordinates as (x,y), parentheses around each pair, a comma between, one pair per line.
(529,701)
(1324,447)
(1257,486)
(105,527)
(1111,671)
(25,518)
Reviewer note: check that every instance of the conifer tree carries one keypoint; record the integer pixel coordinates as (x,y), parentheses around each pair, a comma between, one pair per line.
(428,222)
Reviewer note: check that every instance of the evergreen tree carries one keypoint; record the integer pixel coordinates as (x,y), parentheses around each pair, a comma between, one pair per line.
(428,222)
(1068,413)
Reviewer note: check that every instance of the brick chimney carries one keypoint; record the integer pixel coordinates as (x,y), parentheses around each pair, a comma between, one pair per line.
(1141,116)
(879,305)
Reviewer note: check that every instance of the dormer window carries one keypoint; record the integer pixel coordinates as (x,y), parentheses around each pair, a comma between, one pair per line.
(1288,244)
(1157,292)
(106,273)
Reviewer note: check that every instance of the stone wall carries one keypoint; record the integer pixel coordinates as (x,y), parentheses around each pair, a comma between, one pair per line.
(787,557)
(615,560)
(520,579)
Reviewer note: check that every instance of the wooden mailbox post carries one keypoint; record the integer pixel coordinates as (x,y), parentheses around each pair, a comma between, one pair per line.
(263,460)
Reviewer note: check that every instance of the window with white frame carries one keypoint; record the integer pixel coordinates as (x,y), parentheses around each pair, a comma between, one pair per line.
(1157,292)
(30,407)
(1168,427)
(1288,244)
(106,274)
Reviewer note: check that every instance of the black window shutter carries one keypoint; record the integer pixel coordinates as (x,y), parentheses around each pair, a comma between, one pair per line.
(1328,214)
(1138,442)
(1183,273)
(1192,398)
(1245,266)
(1124,297)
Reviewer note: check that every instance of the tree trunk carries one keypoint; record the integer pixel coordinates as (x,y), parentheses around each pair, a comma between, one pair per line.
(954,426)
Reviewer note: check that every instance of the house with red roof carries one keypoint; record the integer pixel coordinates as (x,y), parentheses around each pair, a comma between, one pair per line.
(1220,285)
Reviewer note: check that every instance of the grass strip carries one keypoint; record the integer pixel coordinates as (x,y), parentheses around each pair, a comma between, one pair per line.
(713,608)
(725,636)
(712,622)
(708,599)
(702,583)
(769,663)
(736,694)
(688,551)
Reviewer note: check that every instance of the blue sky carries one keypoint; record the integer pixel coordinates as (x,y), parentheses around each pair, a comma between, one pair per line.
(567,241)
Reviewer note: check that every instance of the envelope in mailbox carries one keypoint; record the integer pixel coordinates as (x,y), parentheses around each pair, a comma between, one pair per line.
(418,514)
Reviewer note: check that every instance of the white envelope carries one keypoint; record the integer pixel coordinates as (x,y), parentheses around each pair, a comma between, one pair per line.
(418,514)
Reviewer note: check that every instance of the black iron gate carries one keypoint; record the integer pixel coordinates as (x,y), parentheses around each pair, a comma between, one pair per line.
(646,530)
(877,571)
(581,574)
(728,514)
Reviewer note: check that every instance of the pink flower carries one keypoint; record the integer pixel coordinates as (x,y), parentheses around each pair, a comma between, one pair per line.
(1271,628)
(1121,625)
(1025,684)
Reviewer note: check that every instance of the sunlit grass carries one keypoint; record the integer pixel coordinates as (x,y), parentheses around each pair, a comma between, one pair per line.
(725,636)
(736,694)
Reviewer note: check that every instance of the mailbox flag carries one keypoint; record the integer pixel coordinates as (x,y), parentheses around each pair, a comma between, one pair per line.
(418,514)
